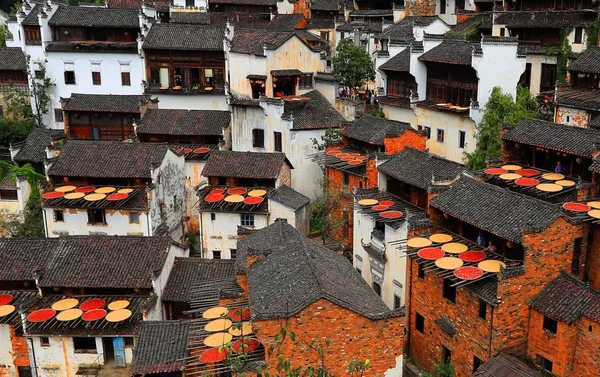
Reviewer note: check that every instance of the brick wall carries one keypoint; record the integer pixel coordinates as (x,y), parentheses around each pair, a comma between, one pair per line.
(420,8)
(472,337)
(554,347)
(586,361)
(593,259)
(352,337)
(410,138)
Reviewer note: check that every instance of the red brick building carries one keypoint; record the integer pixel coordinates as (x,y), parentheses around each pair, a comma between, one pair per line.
(468,322)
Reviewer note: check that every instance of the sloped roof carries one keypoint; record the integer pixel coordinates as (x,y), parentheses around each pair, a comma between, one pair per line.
(252,42)
(587,62)
(12,59)
(185,37)
(255,165)
(160,5)
(95,17)
(506,365)
(566,299)
(326,5)
(289,197)
(245,2)
(420,168)
(374,130)
(161,347)
(298,273)
(545,19)
(107,159)
(198,18)
(285,22)
(82,261)
(317,113)
(184,122)
(494,209)
(402,31)
(320,23)
(32,18)
(579,98)
(107,103)
(486,289)
(187,272)
(540,133)
(34,148)
(399,63)
(451,51)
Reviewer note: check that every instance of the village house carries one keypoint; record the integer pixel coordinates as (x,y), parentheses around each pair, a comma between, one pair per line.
(288,125)
(91,50)
(245,189)
(33,149)
(115,188)
(67,312)
(13,73)
(505,364)
(467,319)
(184,66)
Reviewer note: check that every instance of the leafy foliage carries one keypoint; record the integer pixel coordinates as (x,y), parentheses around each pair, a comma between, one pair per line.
(322,215)
(377,113)
(332,135)
(593,33)
(39,85)
(13,130)
(442,370)
(3,36)
(353,64)
(501,109)
(563,58)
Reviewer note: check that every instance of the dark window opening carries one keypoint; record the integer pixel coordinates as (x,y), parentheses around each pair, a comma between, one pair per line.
(446,355)
(377,288)
(44,341)
(440,135)
(59,215)
(96,216)
(134,217)
(84,345)
(476,363)
(258,88)
(70,77)
(461,139)
(550,325)
(548,79)
(544,363)
(420,323)
(213,216)
(482,309)
(258,138)
(397,302)
(216,254)
(578,35)
(525,79)
(96,78)
(345,178)
(278,141)
(58,115)
(247,220)
(128,342)
(421,271)
(428,132)
(233,253)
(306,81)
(9,195)
(449,291)
(576,256)
(125,78)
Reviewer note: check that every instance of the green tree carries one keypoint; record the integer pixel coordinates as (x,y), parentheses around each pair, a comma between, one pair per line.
(352,64)
(331,135)
(442,370)
(40,83)
(2,36)
(500,110)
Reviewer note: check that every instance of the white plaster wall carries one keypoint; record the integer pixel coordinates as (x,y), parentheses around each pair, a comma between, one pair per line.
(6,357)
(61,357)
(285,7)
(536,62)
(401,114)
(577,47)
(169,190)
(221,234)
(436,27)
(76,223)
(279,211)
(572,116)
(328,89)
(159,283)
(419,70)
(193,179)
(242,65)
(307,176)
(192,102)
(397,370)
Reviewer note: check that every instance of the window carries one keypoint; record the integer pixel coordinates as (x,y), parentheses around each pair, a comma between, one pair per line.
(278,142)
(128,341)
(461,139)
(420,323)
(502,32)
(525,79)
(134,217)
(548,79)
(39,74)
(44,341)
(576,256)
(550,325)
(325,35)
(397,302)
(476,363)
(59,215)
(213,216)
(449,291)
(544,363)
(258,138)
(84,345)
(125,74)
(1,111)
(482,309)
(216,254)
(247,220)
(428,132)
(306,81)
(440,135)
(377,288)
(421,271)
(58,115)
(161,208)
(96,78)
(446,355)
(9,195)
(232,253)
(96,216)
(578,34)
(345,178)
(70,73)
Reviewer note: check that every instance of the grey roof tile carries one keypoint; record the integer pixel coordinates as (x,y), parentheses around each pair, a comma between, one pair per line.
(184,122)
(587,62)
(247,41)
(399,63)
(34,148)
(506,365)
(451,51)
(244,164)
(579,98)
(317,113)
(161,347)
(374,130)
(185,37)
(545,19)
(95,17)
(12,59)
(289,197)
(104,103)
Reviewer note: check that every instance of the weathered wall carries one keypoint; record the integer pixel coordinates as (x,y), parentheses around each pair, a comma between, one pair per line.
(572,117)
(586,362)
(221,234)
(193,179)
(76,223)
(297,220)
(194,102)
(401,114)
(393,145)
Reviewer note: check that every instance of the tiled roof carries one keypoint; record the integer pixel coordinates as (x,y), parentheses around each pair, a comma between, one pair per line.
(327,76)
(317,113)
(253,41)
(92,46)
(327,5)
(299,272)
(187,272)
(308,36)
(595,166)
(84,261)
(288,197)
(578,98)
(402,31)
(482,21)
(399,63)
(241,20)
(496,210)
(160,5)
(107,103)
(558,137)
(506,365)
(450,51)
(161,347)
(420,168)
(374,130)
(545,19)
(244,164)
(320,23)
(566,299)
(198,18)
(372,12)
(34,148)
(446,324)
(286,72)
(587,62)
(184,122)
(486,289)
(285,22)
(32,17)
(95,17)
(107,159)
(12,59)
(245,2)
(7,182)
(368,27)
(394,101)
(185,37)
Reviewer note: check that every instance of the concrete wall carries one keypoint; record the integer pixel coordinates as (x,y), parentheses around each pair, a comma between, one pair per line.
(76,223)
(221,234)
